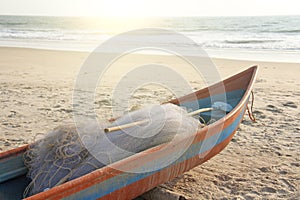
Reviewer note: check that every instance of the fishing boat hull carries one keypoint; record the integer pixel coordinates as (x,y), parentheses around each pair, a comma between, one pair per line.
(112,183)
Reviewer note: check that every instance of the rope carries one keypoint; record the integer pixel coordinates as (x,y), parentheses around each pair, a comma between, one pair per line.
(250,110)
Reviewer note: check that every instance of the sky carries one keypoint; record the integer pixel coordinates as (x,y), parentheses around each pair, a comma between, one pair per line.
(149,8)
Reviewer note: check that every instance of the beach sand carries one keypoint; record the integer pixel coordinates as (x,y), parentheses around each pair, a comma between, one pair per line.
(261,162)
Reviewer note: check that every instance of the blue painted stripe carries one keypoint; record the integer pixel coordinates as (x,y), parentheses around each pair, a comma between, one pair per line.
(11,168)
(124,179)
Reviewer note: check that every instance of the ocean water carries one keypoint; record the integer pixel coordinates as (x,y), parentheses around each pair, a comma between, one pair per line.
(276,36)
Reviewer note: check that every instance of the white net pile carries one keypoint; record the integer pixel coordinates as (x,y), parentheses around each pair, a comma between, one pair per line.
(68,152)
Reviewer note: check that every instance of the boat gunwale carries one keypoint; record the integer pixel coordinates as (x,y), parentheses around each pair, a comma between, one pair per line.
(13,152)
(93,177)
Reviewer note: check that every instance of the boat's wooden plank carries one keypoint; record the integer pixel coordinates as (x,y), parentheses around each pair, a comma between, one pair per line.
(12,174)
(11,167)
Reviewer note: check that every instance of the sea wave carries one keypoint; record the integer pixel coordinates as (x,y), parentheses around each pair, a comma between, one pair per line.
(257,33)
(250,41)
(288,31)
(12,23)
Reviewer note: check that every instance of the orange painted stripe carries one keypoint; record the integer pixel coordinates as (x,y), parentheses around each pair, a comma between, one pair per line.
(13,152)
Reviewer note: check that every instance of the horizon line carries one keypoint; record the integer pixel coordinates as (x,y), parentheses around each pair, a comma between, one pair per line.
(161,16)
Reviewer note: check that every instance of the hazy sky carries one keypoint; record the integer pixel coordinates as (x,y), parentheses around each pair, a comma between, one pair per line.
(149,7)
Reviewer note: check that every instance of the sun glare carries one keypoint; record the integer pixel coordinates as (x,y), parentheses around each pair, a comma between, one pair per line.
(118,9)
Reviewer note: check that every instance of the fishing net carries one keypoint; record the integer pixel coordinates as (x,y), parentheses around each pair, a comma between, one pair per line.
(69,152)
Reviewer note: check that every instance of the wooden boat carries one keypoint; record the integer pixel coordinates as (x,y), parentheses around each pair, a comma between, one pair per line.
(110,183)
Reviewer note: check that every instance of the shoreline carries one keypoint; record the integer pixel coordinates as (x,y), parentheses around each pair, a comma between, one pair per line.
(262,160)
(282,56)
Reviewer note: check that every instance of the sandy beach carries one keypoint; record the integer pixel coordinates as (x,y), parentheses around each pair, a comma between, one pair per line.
(261,162)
